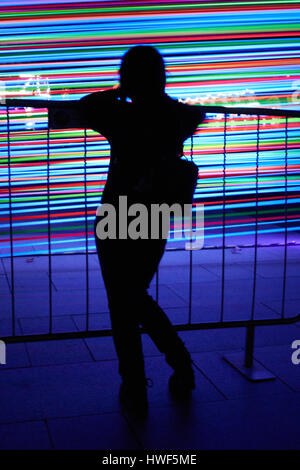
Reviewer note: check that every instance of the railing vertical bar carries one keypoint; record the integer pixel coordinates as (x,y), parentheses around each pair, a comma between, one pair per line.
(249,346)
(191,251)
(256,219)
(223,219)
(12,273)
(86,232)
(157,284)
(285,215)
(49,232)
(190,286)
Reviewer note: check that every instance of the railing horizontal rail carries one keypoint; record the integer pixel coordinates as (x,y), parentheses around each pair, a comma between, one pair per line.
(180,327)
(23,102)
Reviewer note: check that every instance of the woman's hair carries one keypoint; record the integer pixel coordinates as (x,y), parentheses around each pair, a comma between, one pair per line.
(142,72)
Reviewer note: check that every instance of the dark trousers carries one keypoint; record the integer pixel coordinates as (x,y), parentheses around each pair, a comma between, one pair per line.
(128,267)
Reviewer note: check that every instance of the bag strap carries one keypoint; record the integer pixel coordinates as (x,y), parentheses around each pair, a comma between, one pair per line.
(192,150)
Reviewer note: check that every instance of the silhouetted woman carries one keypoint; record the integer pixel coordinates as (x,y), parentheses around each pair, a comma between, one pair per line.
(143,125)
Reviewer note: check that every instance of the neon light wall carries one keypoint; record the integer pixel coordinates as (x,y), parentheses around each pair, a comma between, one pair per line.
(235,53)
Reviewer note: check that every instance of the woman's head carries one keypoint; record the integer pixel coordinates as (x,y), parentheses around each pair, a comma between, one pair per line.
(142,72)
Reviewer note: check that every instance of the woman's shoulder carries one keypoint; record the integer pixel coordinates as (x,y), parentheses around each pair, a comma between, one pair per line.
(99,109)
(185,110)
(187,117)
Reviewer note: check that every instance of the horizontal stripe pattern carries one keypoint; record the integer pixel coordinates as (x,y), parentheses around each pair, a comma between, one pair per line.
(235,53)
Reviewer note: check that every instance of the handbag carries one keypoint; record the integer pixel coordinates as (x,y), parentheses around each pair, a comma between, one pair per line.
(170,181)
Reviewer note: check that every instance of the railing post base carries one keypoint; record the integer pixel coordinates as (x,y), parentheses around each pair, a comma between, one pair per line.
(255,373)
(245,363)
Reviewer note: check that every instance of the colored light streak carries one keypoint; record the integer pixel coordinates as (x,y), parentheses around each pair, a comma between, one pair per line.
(235,53)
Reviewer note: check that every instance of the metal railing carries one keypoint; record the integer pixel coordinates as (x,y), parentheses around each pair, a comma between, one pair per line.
(244,363)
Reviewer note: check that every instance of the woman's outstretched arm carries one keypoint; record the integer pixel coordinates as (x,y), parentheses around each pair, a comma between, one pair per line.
(61,114)
(92,109)
(28,102)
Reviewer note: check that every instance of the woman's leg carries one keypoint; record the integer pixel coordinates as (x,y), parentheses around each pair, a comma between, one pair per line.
(151,315)
(118,270)
(158,325)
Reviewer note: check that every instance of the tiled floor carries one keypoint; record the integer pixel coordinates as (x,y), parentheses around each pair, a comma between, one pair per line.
(64,394)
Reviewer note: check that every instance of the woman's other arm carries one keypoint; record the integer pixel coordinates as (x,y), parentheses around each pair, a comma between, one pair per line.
(88,112)
(27,103)
(61,114)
